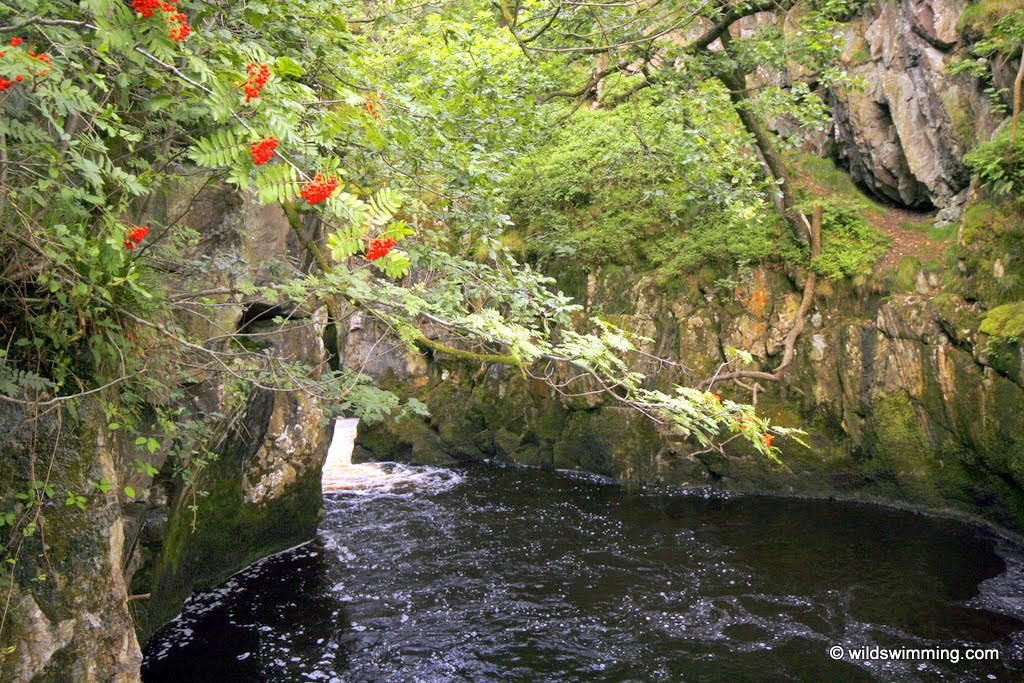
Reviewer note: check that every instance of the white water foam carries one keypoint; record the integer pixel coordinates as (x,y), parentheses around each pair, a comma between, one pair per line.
(376,479)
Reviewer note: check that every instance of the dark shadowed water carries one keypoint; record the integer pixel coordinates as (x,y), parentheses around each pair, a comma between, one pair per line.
(489,574)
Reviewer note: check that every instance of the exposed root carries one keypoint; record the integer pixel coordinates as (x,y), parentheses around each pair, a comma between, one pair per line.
(789,350)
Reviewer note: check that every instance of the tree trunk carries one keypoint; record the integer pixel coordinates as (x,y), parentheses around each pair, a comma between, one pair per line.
(1018,95)
(735,82)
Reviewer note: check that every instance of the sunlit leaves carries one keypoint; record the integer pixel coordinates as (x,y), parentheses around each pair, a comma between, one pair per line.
(383,205)
(420,115)
(395,264)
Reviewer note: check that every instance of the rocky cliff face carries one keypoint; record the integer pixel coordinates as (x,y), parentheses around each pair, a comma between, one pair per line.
(58,629)
(905,134)
(70,618)
(261,492)
(901,399)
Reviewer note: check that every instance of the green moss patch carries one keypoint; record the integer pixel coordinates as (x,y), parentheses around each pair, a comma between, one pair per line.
(991,250)
(1005,322)
(981,16)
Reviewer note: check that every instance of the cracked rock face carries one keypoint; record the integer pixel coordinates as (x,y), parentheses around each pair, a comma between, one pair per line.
(74,625)
(296,440)
(262,490)
(904,136)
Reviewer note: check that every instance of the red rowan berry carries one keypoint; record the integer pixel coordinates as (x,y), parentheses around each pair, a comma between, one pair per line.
(145,7)
(257,78)
(379,248)
(319,189)
(135,236)
(263,151)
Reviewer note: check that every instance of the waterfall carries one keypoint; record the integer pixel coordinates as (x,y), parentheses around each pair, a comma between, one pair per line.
(340,452)
(340,475)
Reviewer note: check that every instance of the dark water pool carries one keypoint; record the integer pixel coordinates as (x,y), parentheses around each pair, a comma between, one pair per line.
(491,574)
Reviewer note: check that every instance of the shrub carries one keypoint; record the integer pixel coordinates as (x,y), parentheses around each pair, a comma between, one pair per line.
(850,246)
(644,184)
(999,163)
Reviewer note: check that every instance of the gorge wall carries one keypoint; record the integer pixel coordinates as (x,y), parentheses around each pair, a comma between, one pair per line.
(99,578)
(903,398)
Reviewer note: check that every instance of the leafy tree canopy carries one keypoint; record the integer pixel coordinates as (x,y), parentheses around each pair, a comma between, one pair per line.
(400,139)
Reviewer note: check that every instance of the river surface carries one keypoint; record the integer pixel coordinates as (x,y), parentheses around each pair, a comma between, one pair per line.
(499,574)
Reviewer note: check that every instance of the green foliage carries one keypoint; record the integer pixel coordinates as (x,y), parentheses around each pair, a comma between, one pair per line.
(993,237)
(904,278)
(995,29)
(1000,18)
(939,233)
(75,500)
(822,173)
(999,164)
(221,148)
(15,382)
(850,246)
(1004,322)
(651,183)
(419,114)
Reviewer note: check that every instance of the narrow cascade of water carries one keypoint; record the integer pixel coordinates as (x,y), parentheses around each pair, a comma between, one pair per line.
(379,478)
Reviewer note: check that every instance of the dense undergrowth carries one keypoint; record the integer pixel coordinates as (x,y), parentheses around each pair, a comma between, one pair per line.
(642,185)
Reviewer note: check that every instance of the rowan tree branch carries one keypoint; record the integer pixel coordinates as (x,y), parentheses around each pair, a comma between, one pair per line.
(40,21)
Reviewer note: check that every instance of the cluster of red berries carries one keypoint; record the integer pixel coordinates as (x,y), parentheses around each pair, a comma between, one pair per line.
(257,78)
(180,30)
(135,236)
(769,439)
(379,248)
(42,57)
(319,189)
(263,151)
(178,21)
(5,84)
(145,7)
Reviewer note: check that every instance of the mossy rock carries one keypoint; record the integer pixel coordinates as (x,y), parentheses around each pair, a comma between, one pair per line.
(1004,322)
(905,460)
(410,440)
(991,252)
(958,319)
(1003,449)
(980,16)
(615,442)
(77,618)
(223,533)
